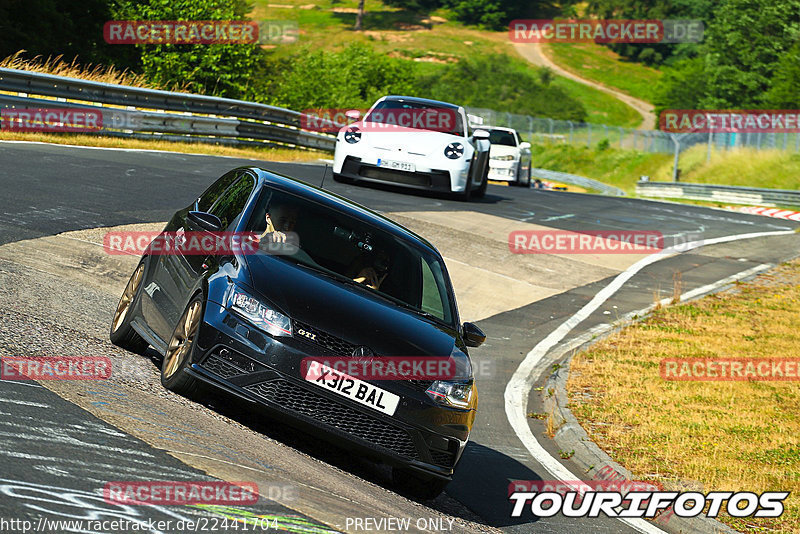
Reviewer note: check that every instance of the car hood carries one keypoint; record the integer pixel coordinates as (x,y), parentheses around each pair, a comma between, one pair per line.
(503,150)
(347,312)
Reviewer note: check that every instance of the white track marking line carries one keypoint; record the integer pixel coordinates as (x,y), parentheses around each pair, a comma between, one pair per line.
(519,387)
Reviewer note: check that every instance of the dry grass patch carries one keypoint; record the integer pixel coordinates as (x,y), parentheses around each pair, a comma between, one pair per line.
(266,154)
(726,436)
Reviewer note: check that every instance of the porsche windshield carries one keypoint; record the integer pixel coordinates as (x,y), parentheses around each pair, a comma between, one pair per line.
(415,116)
(353,252)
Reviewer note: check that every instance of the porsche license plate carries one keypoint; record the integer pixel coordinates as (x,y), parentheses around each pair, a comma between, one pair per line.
(345,385)
(396,165)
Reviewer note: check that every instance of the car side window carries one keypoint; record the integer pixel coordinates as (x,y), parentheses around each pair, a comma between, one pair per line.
(231,203)
(431,292)
(212,194)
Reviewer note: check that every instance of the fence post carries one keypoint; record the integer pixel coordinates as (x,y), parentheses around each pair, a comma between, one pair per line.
(530,128)
(552,124)
(677,155)
(589,135)
(621,136)
(785,138)
(570,131)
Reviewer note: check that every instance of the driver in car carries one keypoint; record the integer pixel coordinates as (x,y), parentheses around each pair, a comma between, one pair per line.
(374,275)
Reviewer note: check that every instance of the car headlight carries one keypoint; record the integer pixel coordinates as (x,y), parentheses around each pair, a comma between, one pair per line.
(502,158)
(258,313)
(454,150)
(457,394)
(352,135)
(459,390)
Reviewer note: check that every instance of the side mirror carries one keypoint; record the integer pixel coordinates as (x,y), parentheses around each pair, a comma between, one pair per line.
(480,134)
(353,114)
(524,145)
(473,336)
(206,221)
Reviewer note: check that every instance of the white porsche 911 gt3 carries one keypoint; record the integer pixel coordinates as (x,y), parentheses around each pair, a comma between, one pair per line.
(416,143)
(509,157)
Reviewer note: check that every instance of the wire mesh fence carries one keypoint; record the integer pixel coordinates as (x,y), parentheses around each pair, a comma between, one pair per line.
(540,130)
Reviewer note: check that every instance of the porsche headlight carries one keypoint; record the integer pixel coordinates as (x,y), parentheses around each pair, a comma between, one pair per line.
(258,313)
(454,150)
(352,135)
(502,158)
(459,390)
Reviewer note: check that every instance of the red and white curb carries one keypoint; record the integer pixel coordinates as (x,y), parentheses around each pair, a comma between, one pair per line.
(768,212)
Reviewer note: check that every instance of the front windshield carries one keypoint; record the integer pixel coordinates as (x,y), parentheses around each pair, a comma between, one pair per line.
(352,251)
(416,116)
(502,137)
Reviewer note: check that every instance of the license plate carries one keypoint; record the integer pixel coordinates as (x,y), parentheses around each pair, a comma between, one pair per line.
(352,388)
(397,165)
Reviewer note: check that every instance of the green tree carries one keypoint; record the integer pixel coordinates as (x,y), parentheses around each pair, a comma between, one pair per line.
(230,70)
(785,91)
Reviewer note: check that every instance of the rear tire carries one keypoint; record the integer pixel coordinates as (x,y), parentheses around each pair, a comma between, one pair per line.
(122,333)
(181,349)
(418,485)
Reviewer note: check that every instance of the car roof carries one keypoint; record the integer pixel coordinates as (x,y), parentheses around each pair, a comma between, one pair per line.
(504,128)
(305,190)
(421,101)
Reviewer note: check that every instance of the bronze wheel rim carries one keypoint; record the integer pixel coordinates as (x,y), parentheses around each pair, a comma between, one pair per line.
(126,300)
(181,343)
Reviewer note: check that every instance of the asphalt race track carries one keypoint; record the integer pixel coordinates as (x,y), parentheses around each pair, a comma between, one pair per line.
(60,443)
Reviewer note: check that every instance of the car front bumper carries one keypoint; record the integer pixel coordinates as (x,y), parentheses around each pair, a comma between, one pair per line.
(242,360)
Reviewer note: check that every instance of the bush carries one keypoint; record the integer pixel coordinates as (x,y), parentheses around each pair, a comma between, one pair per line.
(230,70)
(500,83)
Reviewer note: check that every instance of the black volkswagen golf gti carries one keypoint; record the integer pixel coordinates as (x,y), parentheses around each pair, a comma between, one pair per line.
(329,278)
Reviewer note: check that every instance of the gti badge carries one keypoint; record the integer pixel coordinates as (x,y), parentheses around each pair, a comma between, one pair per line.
(305,333)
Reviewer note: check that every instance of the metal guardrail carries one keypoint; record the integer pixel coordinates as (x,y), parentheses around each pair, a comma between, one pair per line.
(150,113)
(574,179)
(719,193)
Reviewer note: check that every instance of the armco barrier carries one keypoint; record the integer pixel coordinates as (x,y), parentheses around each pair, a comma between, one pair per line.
(573,179)
(719,193)
(148,113)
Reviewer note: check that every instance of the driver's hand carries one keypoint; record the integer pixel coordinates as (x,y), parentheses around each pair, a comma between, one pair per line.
(369,277)
(272,237)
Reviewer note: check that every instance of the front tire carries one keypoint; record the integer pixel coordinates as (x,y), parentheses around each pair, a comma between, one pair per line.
(481,191)
(181,349)
(122,333)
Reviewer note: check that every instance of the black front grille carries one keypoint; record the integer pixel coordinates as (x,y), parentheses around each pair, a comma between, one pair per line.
(443,458)
(399,177)
(359,425)
(337,346)
(220,367)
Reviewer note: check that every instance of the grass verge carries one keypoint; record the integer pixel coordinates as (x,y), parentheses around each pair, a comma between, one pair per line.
(600,64)
(266,154)
(709,436)
(775,169)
